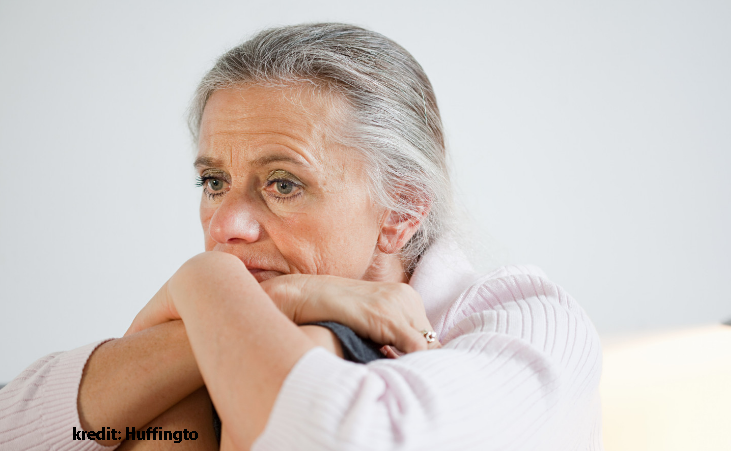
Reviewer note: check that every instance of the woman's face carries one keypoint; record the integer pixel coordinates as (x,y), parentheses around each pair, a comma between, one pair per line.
(278,192)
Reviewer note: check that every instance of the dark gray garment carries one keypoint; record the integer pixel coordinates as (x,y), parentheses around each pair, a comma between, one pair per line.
(355,349)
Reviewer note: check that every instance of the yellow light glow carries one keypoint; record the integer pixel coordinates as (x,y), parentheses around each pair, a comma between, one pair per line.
(669,391)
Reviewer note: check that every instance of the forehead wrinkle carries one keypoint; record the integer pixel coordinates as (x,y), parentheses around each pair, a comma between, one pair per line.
(309,147)
(252,151)
(318,109)
(306,130)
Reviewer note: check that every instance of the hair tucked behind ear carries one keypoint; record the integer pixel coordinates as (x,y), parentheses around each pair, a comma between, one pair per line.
(393,116)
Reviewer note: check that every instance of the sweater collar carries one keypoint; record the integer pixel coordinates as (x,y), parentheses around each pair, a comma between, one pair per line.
(441,275)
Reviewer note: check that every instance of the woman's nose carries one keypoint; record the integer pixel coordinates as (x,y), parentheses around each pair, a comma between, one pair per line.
(233,220)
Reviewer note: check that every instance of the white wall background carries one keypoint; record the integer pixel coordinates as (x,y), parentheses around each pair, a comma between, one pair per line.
(592,139)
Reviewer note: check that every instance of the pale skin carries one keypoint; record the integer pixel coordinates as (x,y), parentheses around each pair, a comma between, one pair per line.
(292,237)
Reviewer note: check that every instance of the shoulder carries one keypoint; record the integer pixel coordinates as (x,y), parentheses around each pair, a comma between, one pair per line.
(522,302)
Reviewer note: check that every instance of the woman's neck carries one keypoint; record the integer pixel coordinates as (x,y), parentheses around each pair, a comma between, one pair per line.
(386,268)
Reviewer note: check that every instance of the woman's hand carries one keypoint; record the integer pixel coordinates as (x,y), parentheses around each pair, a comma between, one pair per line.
(160,309)
(194,273)
(387,313)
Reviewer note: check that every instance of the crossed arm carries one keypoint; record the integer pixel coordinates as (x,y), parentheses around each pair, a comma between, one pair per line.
(232,338)
(521,366)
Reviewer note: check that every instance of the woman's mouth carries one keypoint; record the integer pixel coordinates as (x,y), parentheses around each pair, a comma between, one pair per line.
(263,274)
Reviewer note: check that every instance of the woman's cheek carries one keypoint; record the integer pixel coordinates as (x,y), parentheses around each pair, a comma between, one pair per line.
(206,213)
(285,207)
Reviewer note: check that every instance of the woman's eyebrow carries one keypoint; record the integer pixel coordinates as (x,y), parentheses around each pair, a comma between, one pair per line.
(202,162)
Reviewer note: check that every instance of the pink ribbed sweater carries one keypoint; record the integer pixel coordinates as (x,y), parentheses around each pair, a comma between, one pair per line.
(519,370)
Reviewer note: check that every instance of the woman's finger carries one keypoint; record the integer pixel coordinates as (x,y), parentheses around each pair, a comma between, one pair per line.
(389,352)
(410,340)
(420,342)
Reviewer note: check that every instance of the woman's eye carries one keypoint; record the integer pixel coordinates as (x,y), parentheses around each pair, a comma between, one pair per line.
(282,190)
(284,186)
(215,185)
(212,186)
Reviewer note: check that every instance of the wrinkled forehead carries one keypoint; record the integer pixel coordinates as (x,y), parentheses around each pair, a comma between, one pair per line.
(251,121)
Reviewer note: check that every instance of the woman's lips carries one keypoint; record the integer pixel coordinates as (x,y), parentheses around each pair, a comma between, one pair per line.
(263,274)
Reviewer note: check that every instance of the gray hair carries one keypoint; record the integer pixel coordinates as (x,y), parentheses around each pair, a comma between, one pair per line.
(394,118)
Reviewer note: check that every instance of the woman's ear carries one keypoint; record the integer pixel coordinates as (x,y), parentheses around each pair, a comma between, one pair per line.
(398,228)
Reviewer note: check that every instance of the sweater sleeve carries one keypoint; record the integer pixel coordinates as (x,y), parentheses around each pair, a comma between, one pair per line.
(519,369)
(38,409)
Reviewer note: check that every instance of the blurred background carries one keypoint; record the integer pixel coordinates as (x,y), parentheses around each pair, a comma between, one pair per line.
(592,139)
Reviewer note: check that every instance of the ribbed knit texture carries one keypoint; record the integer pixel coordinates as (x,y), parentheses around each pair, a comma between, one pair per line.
(519,370)
(38,408)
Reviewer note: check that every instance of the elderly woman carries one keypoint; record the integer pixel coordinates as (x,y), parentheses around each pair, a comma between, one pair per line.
(326,200)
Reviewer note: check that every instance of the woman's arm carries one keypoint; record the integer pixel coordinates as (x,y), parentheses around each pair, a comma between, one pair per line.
(126,382)
(132,380)
(118,384)
(193,413)
(520,368)
(388,313)
(230,321)
(135,380)
(138,379)
(244,345)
